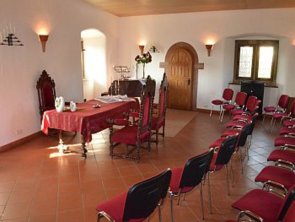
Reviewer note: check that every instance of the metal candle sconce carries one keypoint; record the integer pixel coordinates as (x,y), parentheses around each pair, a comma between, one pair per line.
(11,40)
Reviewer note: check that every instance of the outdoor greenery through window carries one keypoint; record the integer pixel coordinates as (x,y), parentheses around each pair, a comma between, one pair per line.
(256,60)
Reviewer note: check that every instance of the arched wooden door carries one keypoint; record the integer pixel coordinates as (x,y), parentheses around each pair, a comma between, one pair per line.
(180,73)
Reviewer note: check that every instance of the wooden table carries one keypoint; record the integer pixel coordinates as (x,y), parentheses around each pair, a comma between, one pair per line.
(86,120)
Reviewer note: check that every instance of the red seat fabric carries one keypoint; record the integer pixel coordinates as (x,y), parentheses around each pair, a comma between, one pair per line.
(236,124)
(279,115)
(285,141)
(157,123)
(289,122)
(217,102)
(283,176)
(287,131)
(286,155)
(128,135)
(269,109)
(262,203)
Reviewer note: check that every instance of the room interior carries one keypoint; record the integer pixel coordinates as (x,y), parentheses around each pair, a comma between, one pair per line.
(50,35)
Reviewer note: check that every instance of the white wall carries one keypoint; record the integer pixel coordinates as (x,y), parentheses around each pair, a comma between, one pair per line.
(224,26)
(20,67)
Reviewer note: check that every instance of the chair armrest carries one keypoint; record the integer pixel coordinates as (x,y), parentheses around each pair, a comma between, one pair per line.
(105,215)
(250,215)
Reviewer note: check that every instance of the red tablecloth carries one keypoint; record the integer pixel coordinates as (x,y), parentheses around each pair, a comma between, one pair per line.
(86,120)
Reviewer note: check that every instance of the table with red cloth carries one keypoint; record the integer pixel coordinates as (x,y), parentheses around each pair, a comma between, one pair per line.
(90,117)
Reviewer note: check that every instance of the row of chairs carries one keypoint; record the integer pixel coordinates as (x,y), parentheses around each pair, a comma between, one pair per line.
(275,202)
(240,104)
(139,131)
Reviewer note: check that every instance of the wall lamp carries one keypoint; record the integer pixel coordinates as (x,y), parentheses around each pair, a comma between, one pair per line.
(141,48)
(209,48)
(43,40)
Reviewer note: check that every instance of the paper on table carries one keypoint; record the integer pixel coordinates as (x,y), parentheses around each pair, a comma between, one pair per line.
(113,99)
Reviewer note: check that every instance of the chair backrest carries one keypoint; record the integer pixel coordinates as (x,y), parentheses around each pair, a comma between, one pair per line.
(245,132)
(145,111)
(195,169)
(46,92)
(292,110)
(251,104)
(289,199)
(240,99)
(163,97)
(290,214)
(144,197)
(227,94)
(226,150)
(283,101)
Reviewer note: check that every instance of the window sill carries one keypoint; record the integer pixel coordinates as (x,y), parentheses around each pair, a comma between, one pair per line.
(269,85)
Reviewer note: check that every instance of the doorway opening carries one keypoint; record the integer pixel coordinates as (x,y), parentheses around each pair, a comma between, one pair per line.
(181,67)
(93,59)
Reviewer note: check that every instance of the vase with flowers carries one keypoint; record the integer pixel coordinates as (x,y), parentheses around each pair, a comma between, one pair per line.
(142,59)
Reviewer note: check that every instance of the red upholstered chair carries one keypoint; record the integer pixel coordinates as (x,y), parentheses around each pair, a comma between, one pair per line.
(136,135)
(281,106)
(221,157)
(184,179)
(227,96)
(239,103)
(287,131)
(283,156)
(139,202)
(46,93)
(266,206)
(158,121)
(250,108)
(289,122)
(283,115)
(276,176)
(285,142)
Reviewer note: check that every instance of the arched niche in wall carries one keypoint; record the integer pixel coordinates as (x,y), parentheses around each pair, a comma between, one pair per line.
(93,59)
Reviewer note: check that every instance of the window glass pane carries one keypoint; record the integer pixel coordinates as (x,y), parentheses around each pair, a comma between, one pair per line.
(265,61)
(245,63)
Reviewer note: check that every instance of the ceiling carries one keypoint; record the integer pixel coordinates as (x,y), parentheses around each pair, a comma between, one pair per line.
(123,8)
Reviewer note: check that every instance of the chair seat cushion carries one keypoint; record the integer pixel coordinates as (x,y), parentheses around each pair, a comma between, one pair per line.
(237,112)
(287,155)
(115,208)
(289,122)
(283,176)
(175,181)
(217,102)
(236,124)
(231,132)
(229,106)
(285,130)
(261,203)
(279,115)
(284,141)
(128,135)
(243,117)
(269,109)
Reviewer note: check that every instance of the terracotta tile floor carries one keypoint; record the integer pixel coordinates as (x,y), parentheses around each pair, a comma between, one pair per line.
(38,184)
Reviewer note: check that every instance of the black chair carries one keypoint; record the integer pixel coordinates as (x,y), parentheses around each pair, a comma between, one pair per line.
(221,157)
(139,202)
(184,179)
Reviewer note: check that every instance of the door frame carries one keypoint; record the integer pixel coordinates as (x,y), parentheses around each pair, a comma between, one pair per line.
(195,59)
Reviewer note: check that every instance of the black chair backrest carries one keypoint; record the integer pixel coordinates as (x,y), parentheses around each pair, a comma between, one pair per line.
(144,197)
(226,150)
(245,132)
(287,203)
(195,169)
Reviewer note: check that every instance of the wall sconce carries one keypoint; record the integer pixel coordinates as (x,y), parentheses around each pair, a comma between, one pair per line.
(141,48)
(43,40)
(209,48)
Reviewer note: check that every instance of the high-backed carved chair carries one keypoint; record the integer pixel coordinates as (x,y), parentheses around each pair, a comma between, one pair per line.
(158,121)
(137,134)
(139,202)
(46,92)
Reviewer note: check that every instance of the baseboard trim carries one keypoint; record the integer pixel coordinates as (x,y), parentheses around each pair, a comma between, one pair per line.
(19,141)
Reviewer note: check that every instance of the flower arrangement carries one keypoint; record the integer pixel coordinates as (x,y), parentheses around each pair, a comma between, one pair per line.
(143,58)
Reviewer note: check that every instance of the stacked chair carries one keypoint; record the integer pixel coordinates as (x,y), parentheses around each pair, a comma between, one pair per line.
(275,201)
